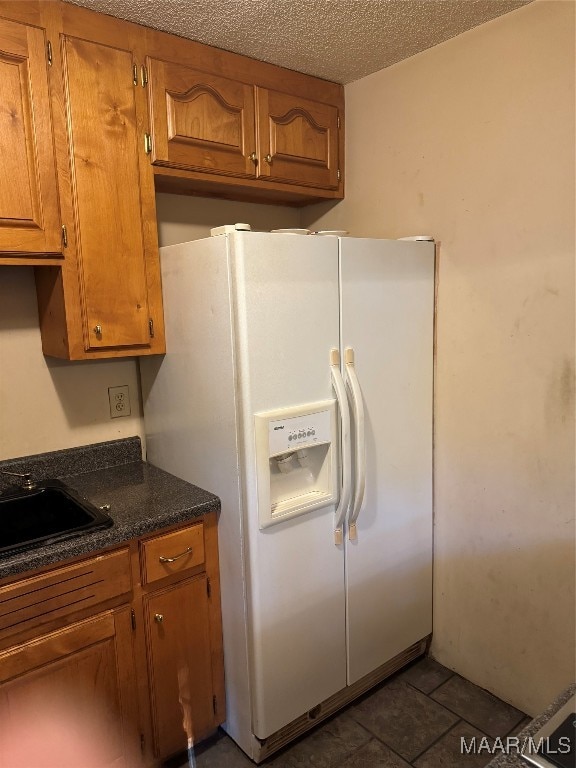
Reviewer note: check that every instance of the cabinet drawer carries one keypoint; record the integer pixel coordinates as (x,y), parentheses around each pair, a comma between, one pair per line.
(61,592)
(175,552)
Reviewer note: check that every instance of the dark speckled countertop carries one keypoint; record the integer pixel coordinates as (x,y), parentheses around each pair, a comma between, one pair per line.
(142,498)
(514,759)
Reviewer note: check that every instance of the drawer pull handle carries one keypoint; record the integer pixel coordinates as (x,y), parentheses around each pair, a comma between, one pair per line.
(158,618)
(177,557)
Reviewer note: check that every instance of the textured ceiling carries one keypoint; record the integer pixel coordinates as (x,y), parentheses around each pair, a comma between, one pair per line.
(340,40)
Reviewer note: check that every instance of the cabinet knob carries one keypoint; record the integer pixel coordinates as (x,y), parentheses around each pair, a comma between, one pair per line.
(98,330)
(158,618)
(254,157)
(268,158)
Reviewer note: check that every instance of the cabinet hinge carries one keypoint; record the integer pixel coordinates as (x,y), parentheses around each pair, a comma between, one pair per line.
(49,52)
(214,704)
(143,76)
(338,174)
(142,743)
(208,588)
(151,327)
(147,143)
(133,619)
(338,121)
(64,236)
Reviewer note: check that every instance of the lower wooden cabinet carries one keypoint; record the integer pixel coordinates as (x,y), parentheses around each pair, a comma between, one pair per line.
(183,635)
(66,699)
(130,679)
(180,665)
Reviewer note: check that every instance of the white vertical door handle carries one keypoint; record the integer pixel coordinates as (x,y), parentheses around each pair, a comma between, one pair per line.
(345,451)
(359,441)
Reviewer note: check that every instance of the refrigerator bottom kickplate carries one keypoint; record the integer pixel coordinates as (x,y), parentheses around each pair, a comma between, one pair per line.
(266,747)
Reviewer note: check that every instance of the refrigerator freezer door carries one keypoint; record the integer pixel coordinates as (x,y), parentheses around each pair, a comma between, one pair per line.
(287,321)
(387,297)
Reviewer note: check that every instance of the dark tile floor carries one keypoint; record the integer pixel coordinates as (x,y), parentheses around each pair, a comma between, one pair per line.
(415,718)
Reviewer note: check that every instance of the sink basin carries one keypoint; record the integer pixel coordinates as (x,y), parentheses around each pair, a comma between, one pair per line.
(49,513)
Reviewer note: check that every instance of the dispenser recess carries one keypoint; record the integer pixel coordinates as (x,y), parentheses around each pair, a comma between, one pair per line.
(296,460)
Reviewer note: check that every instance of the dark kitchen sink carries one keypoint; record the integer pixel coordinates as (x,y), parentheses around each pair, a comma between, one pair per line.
(48,513)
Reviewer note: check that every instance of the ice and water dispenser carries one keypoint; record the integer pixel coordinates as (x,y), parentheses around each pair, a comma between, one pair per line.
(296,455)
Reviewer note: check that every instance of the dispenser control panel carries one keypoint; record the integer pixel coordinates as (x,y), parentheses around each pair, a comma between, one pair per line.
(290,434)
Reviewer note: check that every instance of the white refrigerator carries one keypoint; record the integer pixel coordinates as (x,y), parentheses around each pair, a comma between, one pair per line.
(298,387)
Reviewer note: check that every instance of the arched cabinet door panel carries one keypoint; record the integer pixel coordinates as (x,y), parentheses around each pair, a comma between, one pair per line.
(298,140)
(201,122)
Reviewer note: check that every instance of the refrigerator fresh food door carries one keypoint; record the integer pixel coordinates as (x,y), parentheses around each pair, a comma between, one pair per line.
(287,321)
(387,296)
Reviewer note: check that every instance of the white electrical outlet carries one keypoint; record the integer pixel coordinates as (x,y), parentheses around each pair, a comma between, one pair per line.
(119,398)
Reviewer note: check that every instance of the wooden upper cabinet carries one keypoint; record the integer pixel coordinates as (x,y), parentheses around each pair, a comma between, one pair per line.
(29,210)
(201,122)
(298,140)
(280,145)
(107,194)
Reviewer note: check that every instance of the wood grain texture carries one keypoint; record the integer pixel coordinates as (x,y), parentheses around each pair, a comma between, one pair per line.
(170,48)
(32,602)
(180,664)
(300,137)
(70,680)
(261,190)
(106,191)
(64,321)
(200,121)
(187,545)
(29,206)
(154,669)
(91,280)
(28,12)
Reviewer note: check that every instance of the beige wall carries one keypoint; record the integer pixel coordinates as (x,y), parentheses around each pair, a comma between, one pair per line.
(182,218)
(473,142)
(48,404)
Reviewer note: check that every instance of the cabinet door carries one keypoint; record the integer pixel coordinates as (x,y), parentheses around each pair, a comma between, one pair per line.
(65,698)
(298,140)
(105,143)
(201,122)
(180,665)
(29,211)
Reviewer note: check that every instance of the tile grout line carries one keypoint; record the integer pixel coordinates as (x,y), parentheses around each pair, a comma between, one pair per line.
(341,758)
(439,738)
(517,724)
(472,724)
(432,690)
(373,735)
(460,721)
